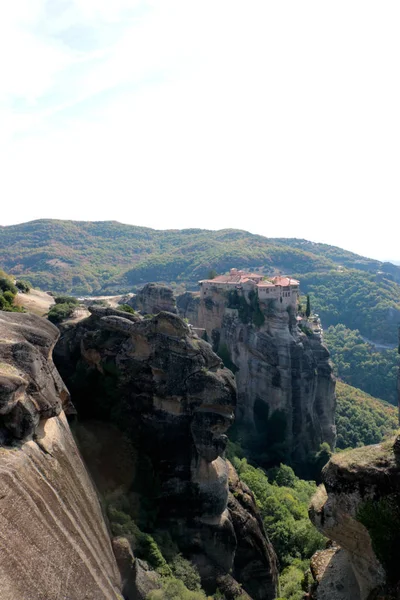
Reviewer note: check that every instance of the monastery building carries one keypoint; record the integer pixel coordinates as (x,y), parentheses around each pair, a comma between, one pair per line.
(283,289)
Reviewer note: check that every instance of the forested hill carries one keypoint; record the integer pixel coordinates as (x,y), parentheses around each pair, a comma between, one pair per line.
(105,257)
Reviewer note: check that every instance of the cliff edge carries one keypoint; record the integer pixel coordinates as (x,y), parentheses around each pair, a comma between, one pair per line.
(358,506)
(165,389)
(54,542)
(286,389)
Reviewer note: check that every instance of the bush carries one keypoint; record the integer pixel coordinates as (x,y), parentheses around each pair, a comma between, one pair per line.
(9,297)
(126,308)
(23,286)
(66,300)
(174,589)
(284,511)
(59,312)
(6,285)
(185,571)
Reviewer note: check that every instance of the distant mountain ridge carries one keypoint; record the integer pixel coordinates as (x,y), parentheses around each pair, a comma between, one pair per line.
(84,258)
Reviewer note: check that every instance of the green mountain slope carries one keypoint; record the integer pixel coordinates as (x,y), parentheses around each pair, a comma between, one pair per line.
(107,257)
(360,364)
(362,419)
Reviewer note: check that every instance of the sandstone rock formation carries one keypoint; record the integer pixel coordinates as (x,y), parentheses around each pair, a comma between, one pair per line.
(170,394)
(154,298)
(54,542)
(286,390)
(359,508)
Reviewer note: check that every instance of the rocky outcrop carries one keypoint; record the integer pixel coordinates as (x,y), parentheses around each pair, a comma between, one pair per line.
(154,298)
(170,394)
(286,390)
(333,576)
(54,542)
(359,508)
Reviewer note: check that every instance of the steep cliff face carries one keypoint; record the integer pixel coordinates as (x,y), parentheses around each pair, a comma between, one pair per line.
(170,394)
(359,508)
(286,391)
(154,298)
(54,542)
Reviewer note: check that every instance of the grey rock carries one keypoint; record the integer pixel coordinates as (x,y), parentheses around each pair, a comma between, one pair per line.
(154,298)
(286,389)
(170,394)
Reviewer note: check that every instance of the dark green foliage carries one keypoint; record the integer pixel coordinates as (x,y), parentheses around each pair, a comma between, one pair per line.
(248,311)
(185,571)
(143,544)
(126,308)
(23,286)
(8,292)
(362,419)
(8,297)
(305,329)
(174,589)
(284,511)
(66,300)
(359,364)
(223,353)
(62,309)
(59,312)
(6,285)
(364,301)
(382,519)
(308,306)
(291,581)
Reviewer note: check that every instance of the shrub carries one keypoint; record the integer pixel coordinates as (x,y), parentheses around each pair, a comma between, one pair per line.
(9,297)
(6,285)
(172,589)
(59,312)
(66,300)
(126,308)
(185,571)
(23,286)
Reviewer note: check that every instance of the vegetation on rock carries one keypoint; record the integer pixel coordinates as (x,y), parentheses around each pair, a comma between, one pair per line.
(8,291)
(62,309)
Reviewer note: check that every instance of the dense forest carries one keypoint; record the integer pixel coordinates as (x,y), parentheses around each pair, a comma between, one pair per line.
(368,302)
(361,365)
(362,419)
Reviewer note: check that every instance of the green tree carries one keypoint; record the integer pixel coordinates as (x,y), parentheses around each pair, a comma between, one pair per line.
(308,307)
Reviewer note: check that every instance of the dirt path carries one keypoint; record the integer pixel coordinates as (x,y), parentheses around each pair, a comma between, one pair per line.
(35,302)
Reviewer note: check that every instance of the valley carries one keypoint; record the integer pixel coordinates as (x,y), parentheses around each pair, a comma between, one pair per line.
(199,411)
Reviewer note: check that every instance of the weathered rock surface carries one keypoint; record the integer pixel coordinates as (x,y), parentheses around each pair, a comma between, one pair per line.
(359,508)
(333,575)
(167,390)
(154,298)
(286,390)
(54,542)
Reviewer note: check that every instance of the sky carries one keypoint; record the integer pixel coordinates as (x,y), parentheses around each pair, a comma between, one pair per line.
(278,117)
